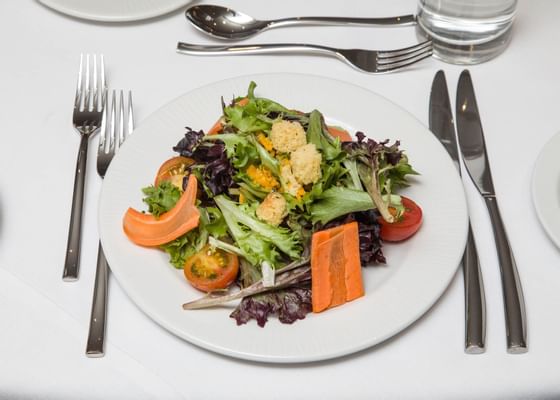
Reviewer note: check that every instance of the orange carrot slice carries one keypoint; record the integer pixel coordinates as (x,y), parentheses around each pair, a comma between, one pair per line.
(353,267)
(320,280)
(336,275)
(146,230)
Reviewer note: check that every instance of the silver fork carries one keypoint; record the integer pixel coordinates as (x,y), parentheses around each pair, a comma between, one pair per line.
(89,104)
(372,61)
(115,133)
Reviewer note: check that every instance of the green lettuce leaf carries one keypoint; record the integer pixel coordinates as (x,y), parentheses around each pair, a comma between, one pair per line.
(180,249)
(318,135)
(239,149)
(211,223)
(338,201)
(380,167)
(161,198)
(258,240)
(258,114)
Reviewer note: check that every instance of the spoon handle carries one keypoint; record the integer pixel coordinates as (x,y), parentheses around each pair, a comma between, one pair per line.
(195,49)
(398,20)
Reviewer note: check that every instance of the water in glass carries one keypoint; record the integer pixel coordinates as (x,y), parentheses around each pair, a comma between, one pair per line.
(466,31)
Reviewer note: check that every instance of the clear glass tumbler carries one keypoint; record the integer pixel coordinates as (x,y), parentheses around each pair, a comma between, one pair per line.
(466,31)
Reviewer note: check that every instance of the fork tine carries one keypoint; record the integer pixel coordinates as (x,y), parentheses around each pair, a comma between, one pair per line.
(103,83)
(404,51)
(121,120)
(104,129)
(130,125)
(95,83)
(391,66)
(78,96)
(113,124)
(87,90)
(103,132)
(403,57)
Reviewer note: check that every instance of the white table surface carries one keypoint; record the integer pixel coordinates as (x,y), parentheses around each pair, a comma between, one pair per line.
(44,320)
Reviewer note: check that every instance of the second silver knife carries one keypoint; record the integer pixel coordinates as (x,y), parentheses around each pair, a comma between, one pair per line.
(473,148)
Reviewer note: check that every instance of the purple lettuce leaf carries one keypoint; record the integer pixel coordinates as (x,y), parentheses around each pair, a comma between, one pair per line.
(288,305)
(371,251)
(211,161)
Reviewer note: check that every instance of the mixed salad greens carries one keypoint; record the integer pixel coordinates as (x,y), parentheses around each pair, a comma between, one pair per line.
(241,204)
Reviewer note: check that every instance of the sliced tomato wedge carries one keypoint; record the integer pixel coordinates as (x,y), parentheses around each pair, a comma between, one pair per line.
(211,269)
(406,226)
(174,170)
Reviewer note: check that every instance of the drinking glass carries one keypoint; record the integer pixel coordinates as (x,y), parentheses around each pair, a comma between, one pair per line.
(466,31)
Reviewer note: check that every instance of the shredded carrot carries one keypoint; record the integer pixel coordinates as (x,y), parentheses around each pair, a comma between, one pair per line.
(263,177)
(265,142)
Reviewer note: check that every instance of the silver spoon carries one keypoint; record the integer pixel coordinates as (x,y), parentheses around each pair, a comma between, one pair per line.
(225,23)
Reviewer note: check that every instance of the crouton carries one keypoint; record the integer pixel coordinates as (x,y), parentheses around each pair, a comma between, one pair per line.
(306,164)
(289,183)
(287,136)
(273,209)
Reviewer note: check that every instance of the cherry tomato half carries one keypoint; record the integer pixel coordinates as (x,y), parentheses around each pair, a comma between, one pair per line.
(174,170)
(211,269)
(406,226)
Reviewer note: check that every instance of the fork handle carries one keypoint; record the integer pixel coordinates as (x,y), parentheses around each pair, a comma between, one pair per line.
(96,335)
(270,48)
(72,262)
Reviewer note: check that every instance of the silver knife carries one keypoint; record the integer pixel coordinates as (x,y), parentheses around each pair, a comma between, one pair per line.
(473,148)
(443,127)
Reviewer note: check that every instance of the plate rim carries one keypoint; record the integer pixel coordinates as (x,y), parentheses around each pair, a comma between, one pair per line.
(546,152)
(101,17)
(325,356)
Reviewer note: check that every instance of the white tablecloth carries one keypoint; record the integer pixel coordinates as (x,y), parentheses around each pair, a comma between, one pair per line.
(44,320)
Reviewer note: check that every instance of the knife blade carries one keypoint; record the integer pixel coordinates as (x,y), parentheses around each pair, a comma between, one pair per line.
(443,127)
(475,158)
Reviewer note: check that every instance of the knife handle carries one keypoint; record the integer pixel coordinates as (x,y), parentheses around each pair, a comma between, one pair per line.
(475,302)
(514,305)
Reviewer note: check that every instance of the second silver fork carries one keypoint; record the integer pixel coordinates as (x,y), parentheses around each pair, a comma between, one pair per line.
(372,61)
(118,126)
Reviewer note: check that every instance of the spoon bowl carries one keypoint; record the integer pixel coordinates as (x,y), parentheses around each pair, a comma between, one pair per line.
(226,23)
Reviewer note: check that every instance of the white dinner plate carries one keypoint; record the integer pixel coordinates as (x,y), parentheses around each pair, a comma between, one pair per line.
(546,188)
(417,271)
(115,10)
